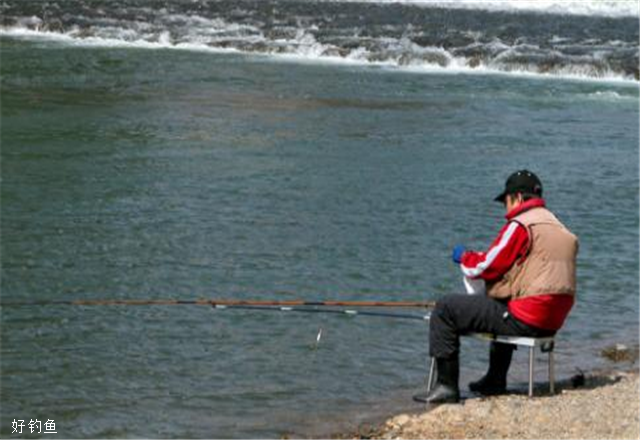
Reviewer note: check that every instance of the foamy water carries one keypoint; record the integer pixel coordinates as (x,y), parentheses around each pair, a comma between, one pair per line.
(479,37)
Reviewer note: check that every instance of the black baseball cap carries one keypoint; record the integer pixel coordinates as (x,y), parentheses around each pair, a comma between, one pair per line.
(523,181)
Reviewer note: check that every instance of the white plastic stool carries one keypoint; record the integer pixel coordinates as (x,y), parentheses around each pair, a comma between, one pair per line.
(546,346)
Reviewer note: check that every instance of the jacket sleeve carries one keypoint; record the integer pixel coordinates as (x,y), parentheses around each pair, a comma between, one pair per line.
(511,243)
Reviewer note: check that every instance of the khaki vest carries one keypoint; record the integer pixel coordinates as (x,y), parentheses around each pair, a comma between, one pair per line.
(549,267)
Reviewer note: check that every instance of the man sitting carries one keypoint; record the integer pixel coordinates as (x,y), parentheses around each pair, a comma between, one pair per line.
(526,283)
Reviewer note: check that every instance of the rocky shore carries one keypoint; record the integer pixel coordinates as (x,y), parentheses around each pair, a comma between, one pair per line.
(596,406)
(604,404)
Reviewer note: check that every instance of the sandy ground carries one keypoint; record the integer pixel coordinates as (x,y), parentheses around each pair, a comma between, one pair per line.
(605,406)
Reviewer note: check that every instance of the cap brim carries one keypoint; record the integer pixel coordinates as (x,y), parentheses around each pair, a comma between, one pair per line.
(501,198)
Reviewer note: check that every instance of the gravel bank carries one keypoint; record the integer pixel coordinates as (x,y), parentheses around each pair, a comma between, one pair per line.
(606,406)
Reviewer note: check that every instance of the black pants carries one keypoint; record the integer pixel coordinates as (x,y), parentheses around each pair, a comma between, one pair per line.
(455,315)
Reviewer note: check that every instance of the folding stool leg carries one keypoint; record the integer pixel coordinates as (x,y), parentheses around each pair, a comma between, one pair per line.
(552,376)
(432,371)
(531,352)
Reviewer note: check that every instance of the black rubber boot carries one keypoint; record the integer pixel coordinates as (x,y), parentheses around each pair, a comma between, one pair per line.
(446,388)
(495,381)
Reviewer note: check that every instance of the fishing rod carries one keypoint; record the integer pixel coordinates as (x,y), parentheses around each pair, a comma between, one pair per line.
(220,302)
(335,307)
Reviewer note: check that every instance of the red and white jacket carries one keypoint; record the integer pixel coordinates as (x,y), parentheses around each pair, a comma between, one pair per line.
(511,244)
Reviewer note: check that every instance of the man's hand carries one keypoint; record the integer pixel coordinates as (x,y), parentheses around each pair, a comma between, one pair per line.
(457,253)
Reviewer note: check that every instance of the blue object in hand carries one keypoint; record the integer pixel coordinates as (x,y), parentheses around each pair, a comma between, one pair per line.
(457,253)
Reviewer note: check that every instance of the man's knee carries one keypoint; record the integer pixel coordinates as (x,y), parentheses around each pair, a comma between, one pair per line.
(445,311)
(452,302)
(442,307)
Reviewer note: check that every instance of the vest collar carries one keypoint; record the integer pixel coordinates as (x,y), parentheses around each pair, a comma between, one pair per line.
(525,206)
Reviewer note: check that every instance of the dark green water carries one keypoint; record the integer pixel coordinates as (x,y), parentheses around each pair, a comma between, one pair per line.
(136,173)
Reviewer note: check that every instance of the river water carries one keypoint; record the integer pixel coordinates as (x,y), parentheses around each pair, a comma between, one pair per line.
(146,157)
